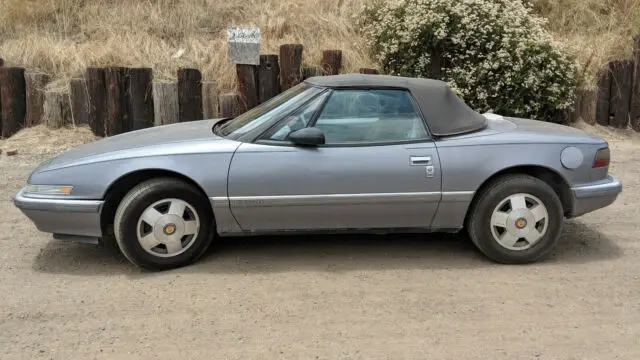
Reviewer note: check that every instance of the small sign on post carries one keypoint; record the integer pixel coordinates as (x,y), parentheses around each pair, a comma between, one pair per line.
(243,45)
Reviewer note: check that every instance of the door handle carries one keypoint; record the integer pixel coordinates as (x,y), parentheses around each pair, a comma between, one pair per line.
(420,160)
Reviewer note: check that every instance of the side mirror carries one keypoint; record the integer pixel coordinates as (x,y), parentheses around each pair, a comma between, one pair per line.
(310,136)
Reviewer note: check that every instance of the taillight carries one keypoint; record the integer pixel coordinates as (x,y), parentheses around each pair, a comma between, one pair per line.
(602,158)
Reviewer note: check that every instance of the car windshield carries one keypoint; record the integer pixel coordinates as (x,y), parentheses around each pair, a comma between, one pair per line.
(271,109)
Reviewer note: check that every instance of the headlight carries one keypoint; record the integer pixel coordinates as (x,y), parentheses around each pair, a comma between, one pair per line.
(48,189)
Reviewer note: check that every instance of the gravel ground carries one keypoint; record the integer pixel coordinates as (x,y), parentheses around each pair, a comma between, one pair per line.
(355,297)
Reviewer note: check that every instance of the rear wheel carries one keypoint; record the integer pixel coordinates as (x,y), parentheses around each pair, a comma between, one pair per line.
(163,223)
(516,220)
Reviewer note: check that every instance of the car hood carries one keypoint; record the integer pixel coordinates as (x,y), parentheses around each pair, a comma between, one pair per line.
(188,137)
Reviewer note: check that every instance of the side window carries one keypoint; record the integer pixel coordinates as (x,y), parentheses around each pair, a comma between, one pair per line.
(295,121)
(355,116)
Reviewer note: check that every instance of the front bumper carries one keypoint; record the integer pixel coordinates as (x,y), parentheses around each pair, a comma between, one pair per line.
(62,216)
(593,196)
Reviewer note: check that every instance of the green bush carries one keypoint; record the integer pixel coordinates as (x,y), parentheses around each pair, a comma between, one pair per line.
(494,53)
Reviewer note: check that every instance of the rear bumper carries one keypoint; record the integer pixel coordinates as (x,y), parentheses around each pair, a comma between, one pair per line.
(593,196)
(62,216)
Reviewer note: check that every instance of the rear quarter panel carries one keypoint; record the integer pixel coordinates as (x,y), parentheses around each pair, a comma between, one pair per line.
(467,163)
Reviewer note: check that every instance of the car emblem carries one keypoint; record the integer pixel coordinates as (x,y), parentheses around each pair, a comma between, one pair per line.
(169,229)
(521,223)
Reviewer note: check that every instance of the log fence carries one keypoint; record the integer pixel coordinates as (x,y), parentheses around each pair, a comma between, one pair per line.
(115,100)
(617,94)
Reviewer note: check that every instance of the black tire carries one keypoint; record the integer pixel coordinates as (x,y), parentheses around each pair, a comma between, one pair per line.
(142,196)
(479,221)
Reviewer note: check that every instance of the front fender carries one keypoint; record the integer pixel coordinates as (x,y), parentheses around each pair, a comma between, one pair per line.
(91,180)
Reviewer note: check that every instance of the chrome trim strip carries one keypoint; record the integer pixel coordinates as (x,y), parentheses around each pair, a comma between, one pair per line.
(610,186)
(457,196)
(58,205)
(328,199)
(219,201)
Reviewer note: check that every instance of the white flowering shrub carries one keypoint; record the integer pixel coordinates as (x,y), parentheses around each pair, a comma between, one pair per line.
(494,53)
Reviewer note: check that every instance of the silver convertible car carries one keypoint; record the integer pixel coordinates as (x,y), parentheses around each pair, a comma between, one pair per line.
(345,153)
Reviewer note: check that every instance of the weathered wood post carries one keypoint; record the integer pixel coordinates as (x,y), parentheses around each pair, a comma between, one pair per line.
(1,65)
(79,98)
(140,98)
(13,99)
(603,96)
(290,65)
(97,98)
(247,85)
(368,71)
(311,71)
(117,118)
(57,110)
(332,61)
(635,96)
(35,83)
(621,78)
(229,105)
(165,103)
(210,100)
(190,94)
(588,105)
(268,76)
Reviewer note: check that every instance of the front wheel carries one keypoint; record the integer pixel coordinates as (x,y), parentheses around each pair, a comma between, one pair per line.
(516,220)
(163,223)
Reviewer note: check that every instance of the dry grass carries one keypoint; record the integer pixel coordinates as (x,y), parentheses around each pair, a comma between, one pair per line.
(596,31)
(40,140)
(62,37)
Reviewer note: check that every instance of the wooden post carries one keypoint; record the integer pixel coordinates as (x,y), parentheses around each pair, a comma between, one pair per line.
(79,101)
(1,65)
(229,105)
(190,95)
(165,103)
(588,105)
(34,87)
(311,71)
(97,98)
(332,61)
(635,97)
(603,96)
(621,78)
(140,98)
(57,111)
(574,114)
(210,100)
(13,99)
(268,75)
(248,85)
(368,71)
(117,122)
(290,65)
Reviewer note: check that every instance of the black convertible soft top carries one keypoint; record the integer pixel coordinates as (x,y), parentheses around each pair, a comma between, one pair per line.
(445,113)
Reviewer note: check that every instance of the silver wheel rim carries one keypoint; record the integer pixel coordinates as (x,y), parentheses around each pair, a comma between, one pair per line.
(168,228)
(519,221)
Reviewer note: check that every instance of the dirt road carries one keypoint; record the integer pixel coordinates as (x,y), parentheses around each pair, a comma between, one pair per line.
(360,297)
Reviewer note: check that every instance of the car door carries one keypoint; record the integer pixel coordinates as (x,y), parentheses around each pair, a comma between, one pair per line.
(377,170)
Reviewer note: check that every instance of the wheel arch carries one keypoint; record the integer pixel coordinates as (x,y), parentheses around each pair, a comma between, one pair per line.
(119,187)
(550,176)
